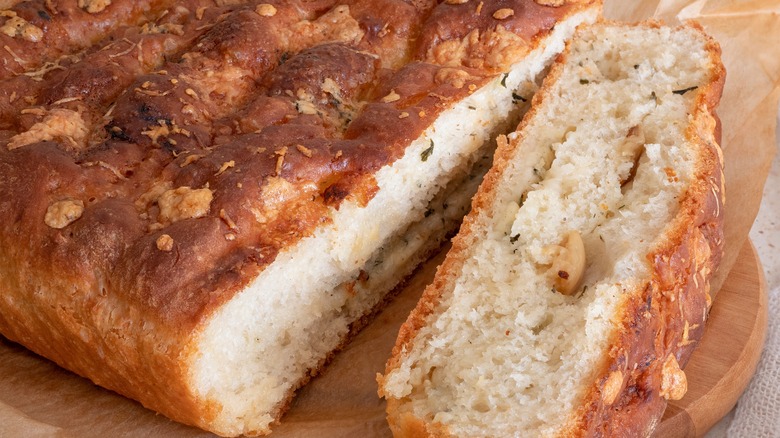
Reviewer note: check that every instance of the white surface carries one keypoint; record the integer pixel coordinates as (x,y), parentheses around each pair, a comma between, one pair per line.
(758,411)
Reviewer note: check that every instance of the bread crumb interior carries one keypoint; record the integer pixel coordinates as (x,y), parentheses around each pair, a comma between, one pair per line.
(605,155)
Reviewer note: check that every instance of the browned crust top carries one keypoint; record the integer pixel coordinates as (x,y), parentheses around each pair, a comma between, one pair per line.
(155,156)
(268,113)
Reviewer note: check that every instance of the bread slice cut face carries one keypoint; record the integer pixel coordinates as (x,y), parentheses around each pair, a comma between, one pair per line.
(578,284)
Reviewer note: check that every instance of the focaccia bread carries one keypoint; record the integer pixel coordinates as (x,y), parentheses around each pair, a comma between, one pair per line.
(578,285)
(202,199)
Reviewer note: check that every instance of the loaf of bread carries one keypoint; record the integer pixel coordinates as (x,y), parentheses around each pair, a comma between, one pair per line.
(202,199)
(578,284)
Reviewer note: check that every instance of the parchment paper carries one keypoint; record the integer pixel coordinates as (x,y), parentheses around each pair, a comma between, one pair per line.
(38,399)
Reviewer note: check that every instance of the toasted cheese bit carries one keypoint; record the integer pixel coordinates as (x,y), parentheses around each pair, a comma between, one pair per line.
(184,203)
(94,6)
(479,7)
(188,109)
(403,115)
(155,132)
(280,160)
(674,383)
(265,10)
(190,92)
(304,150)
(421,114)
(153,93)
(63,213)
(37,75)
(36,111)
(455,2)
(66,100)
(453,76)
(190,159)
(503,13)
(152,195)
(200,11)
(384,31)
(686,333)
(554,3)
(167,28)
(57,123)
(339,154)
(230,237)
(612,387)
(332,87)
(162,129)
(16,57)
(335,25)
(165,243)
(13,97)
(109,167)
(391,97)
(225,166)
(124,52)
(17,26)
(305,107)
(228,221)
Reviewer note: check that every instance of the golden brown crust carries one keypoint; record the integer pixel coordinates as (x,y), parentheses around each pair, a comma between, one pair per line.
(45,30)
(662,323)
(195,155)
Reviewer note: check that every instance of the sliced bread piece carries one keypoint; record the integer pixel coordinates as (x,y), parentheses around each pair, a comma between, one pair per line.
(579,283)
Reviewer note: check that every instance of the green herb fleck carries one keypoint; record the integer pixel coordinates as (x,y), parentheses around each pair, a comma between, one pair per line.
(513,239)
(472,107)
(654,96)
(428,212)
(684,90)
(503,79)
(427,153)
(582,292)
(584,81)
